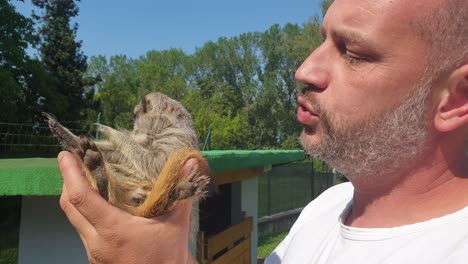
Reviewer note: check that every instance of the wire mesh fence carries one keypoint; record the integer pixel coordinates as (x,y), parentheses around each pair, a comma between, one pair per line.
(291,186)
(285,190)
(34,139)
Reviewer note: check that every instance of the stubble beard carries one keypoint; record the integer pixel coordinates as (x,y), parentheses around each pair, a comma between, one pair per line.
(383,144)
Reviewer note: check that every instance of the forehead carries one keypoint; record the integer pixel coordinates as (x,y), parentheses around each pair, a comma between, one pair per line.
(391,18)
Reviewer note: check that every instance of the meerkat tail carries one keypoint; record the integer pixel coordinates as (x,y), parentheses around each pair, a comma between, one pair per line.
(167,190)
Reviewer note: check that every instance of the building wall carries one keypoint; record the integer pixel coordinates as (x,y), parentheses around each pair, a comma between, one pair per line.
(46,236)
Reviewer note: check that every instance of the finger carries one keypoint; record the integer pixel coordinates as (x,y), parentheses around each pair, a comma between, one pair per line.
(190,167)
(81,195)
(80,223)
(85,244)
(179,216)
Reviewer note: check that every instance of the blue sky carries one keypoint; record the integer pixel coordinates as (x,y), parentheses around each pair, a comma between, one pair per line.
(111,27)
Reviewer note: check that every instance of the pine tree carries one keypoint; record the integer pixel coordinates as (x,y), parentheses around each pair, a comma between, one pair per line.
(16,33)
(61,54)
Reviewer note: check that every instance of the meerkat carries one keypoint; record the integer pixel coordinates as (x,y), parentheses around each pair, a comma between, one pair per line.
(139,171)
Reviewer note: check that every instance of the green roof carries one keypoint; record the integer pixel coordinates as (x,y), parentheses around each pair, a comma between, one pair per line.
(41,176)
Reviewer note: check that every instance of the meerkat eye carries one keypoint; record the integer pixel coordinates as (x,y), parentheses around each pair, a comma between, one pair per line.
(137,200)
(138,196)
(148,104)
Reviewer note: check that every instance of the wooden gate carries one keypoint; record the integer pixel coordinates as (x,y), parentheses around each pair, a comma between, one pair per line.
(231,246)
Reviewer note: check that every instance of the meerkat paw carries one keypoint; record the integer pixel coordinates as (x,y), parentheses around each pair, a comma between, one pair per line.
(67,139)
(108,131)
(94,161)
(196,185)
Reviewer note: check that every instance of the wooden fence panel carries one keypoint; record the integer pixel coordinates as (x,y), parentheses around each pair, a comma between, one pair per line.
(240,254)
(232,245)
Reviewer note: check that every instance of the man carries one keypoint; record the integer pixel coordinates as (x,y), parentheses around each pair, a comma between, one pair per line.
(386,104)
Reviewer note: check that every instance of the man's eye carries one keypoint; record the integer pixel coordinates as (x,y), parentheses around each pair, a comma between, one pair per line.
(352,57)
(348,55)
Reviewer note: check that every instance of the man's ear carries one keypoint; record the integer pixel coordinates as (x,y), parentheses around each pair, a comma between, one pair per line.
(452,111)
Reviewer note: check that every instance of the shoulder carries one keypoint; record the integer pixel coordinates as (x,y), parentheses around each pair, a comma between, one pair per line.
(336,193)
(320,215)
(332,201)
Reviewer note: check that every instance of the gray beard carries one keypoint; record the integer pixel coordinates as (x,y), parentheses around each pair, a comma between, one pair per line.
(382,144)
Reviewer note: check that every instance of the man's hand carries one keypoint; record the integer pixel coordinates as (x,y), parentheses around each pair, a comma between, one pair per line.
(113,236)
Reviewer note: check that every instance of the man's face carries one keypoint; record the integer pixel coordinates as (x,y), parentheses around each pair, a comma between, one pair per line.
(363,107)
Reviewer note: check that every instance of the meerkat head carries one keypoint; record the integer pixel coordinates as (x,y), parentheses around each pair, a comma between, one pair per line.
(157,109)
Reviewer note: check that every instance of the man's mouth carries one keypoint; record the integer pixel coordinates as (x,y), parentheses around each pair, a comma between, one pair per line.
(305,113)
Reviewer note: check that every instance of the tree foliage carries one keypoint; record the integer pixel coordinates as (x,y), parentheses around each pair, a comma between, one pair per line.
(62,57)
(240,90)
(325,4)
(16,33)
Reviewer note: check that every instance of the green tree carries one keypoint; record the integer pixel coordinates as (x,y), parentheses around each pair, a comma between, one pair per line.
(164,71)
(226,77)
(227,131)
(325,5)
(119,92)
(11,99)
(40,94)
(16,33)
(230,68)
(98,69)
(276,101)
(61,55)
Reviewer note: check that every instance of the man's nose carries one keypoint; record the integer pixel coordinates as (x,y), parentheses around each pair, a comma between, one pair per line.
(314,70)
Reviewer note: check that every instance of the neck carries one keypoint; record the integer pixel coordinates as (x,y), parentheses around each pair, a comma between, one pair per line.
(434,188)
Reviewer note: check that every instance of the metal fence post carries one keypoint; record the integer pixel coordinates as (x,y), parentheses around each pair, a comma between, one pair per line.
(269,193)
(98,120)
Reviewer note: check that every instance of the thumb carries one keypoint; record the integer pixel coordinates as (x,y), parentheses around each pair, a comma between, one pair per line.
(181,213)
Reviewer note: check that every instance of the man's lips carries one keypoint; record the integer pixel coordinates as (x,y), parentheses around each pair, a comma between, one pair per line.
(305,114)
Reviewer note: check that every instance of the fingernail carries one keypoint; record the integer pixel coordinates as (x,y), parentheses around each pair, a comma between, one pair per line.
(60,156)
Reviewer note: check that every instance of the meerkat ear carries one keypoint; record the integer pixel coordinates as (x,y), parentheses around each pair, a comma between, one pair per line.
(452,111)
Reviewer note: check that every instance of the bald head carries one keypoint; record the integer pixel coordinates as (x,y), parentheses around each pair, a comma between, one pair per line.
(444,29)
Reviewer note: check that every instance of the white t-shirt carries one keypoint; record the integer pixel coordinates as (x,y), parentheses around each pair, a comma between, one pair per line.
(319,236)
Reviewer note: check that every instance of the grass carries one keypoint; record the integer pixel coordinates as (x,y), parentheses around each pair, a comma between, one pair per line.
(267,244)
(28,163)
